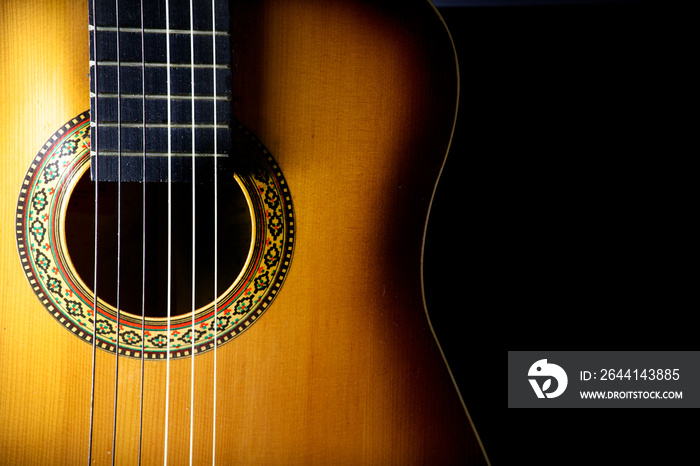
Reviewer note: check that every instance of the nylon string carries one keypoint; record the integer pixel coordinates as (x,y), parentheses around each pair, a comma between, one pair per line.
(143,225)
(119,236)
(216,244)
(194,178)
(170,224)
(94,284)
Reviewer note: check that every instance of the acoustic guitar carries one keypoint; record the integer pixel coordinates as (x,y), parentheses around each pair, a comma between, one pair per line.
(212,229)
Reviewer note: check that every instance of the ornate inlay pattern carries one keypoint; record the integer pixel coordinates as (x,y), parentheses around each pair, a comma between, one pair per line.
(40,226)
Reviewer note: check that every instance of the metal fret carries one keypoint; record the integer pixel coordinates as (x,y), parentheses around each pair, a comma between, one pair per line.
(107,153)
(159,31)
(114,124)
(161,65)
(160,96)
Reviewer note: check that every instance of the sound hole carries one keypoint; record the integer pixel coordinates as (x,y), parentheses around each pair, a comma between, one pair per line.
(234,242)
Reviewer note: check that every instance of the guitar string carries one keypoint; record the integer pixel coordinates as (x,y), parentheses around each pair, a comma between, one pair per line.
(94,276)
(216,223)
(194,184)
(170,236)
(143,226)
(119,236)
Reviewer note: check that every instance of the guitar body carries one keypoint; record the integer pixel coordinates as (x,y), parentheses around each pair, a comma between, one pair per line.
(357,103)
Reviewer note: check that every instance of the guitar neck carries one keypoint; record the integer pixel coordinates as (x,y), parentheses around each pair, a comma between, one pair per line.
(160,88)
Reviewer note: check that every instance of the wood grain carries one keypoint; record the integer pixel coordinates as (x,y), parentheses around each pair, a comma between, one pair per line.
(357,103)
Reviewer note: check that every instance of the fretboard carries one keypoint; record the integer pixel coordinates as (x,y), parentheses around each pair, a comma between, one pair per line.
(142,69)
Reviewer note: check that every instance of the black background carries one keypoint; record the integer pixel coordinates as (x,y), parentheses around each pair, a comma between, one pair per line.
(564,216)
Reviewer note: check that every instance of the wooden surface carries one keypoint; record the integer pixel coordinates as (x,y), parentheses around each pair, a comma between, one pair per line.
(343,369)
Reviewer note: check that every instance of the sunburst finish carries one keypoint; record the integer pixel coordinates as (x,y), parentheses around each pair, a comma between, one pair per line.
(356,100)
